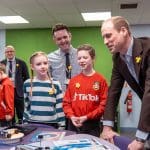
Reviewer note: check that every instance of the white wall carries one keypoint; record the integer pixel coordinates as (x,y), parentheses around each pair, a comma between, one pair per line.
(2,44)
(140,30)
(129,120)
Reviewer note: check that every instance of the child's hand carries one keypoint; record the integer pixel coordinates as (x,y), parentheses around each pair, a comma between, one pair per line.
(76,121)
(8,117)
(83,119)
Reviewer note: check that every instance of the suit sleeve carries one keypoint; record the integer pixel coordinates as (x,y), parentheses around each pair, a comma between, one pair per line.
(25,71)
(144,122)
(114,92)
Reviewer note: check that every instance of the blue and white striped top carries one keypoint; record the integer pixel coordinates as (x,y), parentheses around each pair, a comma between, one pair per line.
(43,106)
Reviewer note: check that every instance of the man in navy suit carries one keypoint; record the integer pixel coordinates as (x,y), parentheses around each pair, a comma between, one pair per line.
(18,72)
(131,63)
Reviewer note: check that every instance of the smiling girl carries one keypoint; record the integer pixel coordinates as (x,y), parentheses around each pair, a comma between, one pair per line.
(43,95)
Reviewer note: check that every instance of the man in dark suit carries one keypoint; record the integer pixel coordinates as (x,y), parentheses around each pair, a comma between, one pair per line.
(18,72)
(131,63)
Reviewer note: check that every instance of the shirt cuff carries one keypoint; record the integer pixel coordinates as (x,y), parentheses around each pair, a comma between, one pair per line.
(142,135)
(108,123)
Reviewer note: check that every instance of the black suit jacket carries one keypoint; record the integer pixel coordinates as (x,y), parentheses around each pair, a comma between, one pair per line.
(120,73)
(21,75)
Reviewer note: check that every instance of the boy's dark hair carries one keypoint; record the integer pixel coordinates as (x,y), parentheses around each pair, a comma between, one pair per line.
(87,47)
(59,26)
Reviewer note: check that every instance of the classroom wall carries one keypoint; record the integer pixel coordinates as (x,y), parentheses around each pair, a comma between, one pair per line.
(27,41)
(2,44)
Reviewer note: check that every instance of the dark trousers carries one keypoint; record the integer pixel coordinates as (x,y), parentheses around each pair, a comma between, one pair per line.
(91,127)
(55,125)
(19,108)
(4,123)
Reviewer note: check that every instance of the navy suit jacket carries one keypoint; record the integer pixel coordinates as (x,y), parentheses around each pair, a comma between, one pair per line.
(120,73)
(21,75)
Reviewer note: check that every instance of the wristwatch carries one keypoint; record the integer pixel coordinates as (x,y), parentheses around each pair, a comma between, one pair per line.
(140,140)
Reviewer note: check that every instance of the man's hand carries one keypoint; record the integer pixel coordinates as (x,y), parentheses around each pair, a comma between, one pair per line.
(136,145)
(108,134)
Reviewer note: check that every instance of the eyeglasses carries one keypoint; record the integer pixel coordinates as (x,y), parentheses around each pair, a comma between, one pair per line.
(9,51)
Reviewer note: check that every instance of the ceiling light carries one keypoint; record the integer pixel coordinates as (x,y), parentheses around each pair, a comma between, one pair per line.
(96,16)
(12,19)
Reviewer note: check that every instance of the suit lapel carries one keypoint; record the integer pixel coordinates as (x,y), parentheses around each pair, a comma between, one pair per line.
(137,56)
(17,66)
(128,77)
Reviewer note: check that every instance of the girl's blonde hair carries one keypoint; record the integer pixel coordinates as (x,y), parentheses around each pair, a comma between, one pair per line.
(39,53)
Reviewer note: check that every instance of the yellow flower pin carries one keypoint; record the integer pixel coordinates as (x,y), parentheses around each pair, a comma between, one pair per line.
(138,59)
(17,65)
(51,91)
(77,85)
(70,67)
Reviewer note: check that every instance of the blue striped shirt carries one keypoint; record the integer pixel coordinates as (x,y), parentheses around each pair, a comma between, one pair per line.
(43,106)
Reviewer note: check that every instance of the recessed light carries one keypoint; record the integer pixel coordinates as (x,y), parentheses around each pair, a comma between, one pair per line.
(12,19)
(96,16)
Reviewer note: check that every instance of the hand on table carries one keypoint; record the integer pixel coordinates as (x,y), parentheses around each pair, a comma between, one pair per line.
(136,145)
(108,134)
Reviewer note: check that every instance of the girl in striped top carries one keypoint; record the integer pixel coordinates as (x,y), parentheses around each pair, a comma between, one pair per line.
(43,95)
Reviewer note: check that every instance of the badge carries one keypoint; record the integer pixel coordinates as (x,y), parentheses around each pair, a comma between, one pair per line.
(96,85)
(78,85)
(51,91)
(138,59)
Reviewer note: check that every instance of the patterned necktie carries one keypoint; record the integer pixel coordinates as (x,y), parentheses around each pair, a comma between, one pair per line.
(10,69)
(68,69)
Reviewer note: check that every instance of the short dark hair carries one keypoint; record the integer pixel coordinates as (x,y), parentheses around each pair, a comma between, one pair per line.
(87,47)
(59,26)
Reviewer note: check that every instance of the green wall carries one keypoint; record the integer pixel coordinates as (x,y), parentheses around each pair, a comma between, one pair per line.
(27,41)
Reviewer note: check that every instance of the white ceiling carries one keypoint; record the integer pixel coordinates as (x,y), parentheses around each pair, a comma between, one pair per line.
(46,13)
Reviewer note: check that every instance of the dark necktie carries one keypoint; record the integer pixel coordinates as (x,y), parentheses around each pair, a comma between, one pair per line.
(10,69)
(68,67)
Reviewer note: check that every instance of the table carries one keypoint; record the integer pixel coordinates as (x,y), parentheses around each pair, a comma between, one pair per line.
(87,136)
(68,135)
(27,138)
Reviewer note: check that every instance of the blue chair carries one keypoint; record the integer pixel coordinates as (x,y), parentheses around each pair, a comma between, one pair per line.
(122,142)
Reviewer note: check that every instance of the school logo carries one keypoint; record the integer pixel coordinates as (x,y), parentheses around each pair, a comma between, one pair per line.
(96,85)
